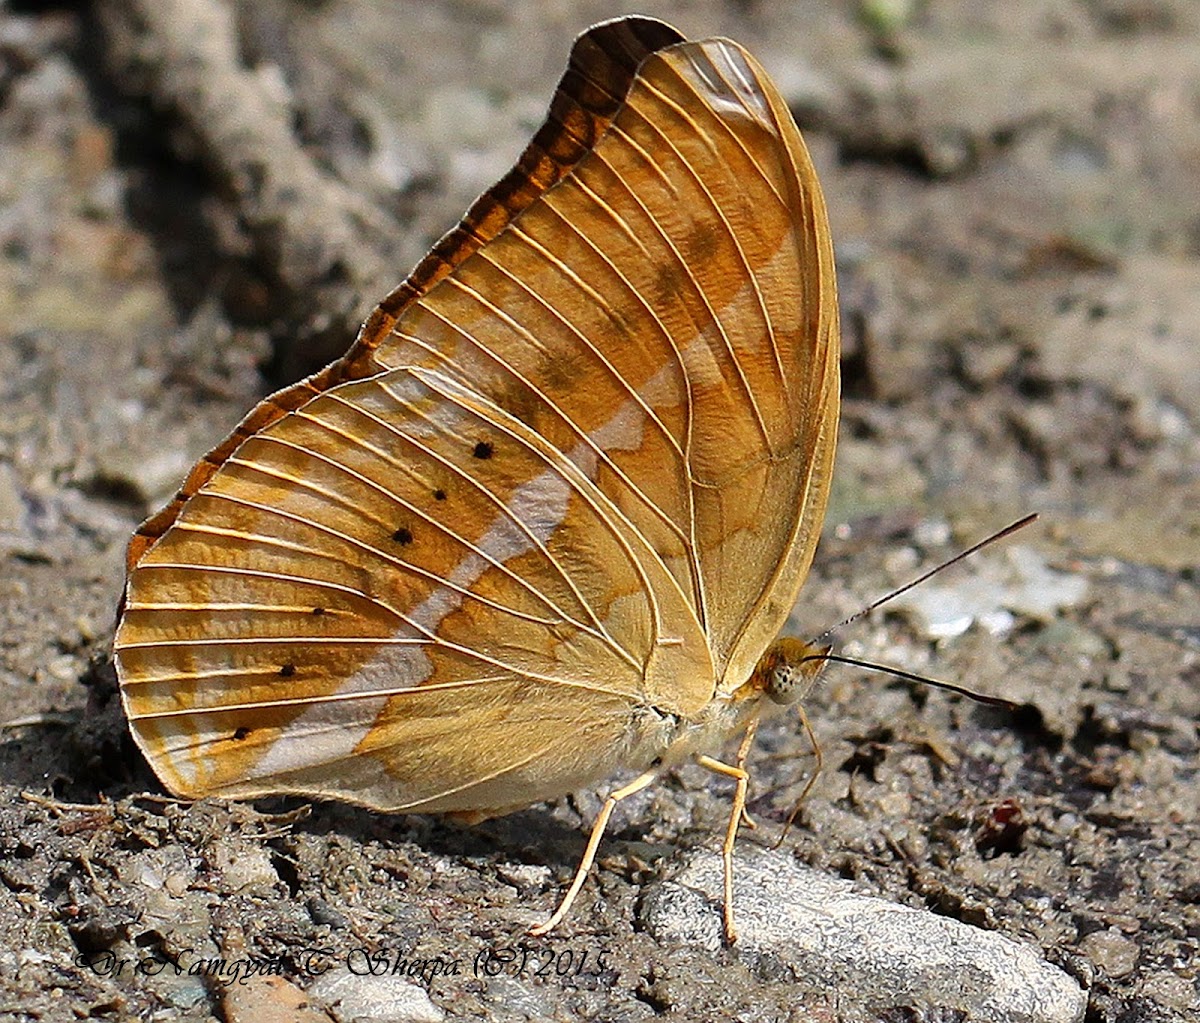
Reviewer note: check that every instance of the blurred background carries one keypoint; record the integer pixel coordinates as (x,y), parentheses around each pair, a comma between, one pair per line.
(201,200)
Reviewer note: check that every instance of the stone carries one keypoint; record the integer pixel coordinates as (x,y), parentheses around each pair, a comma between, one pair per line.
(873,952)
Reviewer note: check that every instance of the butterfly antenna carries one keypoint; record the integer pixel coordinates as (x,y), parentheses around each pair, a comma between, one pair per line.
(908,676)
(987,541)
(887,669)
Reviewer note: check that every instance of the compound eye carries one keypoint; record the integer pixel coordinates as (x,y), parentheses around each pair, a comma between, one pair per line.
(782,685)
(788,670)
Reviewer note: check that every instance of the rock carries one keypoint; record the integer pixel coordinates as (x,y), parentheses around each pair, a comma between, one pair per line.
(245,865)
(268,1000)
(872,952)
(353,996)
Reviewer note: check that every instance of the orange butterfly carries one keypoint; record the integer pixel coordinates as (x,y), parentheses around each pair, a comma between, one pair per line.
(546,516)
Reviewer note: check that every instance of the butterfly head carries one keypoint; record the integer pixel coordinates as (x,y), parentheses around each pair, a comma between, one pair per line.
(789,669)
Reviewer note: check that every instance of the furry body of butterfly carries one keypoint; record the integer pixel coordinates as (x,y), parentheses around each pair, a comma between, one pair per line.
(545,518)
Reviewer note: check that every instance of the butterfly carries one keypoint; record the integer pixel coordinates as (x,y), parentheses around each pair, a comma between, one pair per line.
(546,517)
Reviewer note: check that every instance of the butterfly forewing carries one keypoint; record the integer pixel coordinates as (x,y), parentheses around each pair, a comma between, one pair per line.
(569,502)
(665,316)
(764,432)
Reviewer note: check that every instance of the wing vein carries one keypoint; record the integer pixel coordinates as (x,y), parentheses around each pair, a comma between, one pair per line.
(371,549)
(700,293)
(563,616)
(587,491)
(398,692)
(470,481)
(516,232)
(281,577)
(586,438)
(720,216)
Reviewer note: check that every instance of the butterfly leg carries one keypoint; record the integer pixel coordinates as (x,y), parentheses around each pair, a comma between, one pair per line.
(589,854)
(742,753)
(819,762)
(738,772)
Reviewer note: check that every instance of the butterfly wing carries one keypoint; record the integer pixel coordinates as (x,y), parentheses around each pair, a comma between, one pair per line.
(398,572)
(666,314)
(564,486)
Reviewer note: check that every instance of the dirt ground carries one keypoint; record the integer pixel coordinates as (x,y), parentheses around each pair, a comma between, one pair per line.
(1014,198)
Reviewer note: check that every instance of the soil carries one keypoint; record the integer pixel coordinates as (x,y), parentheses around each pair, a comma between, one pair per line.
(1012,189)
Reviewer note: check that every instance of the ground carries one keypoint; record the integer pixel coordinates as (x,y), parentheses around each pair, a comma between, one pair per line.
(1012,195)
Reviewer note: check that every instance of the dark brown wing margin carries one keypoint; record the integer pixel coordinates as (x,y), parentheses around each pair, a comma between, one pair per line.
(602,66)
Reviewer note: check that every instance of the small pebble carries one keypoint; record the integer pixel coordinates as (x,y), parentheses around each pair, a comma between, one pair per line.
(1111,952)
